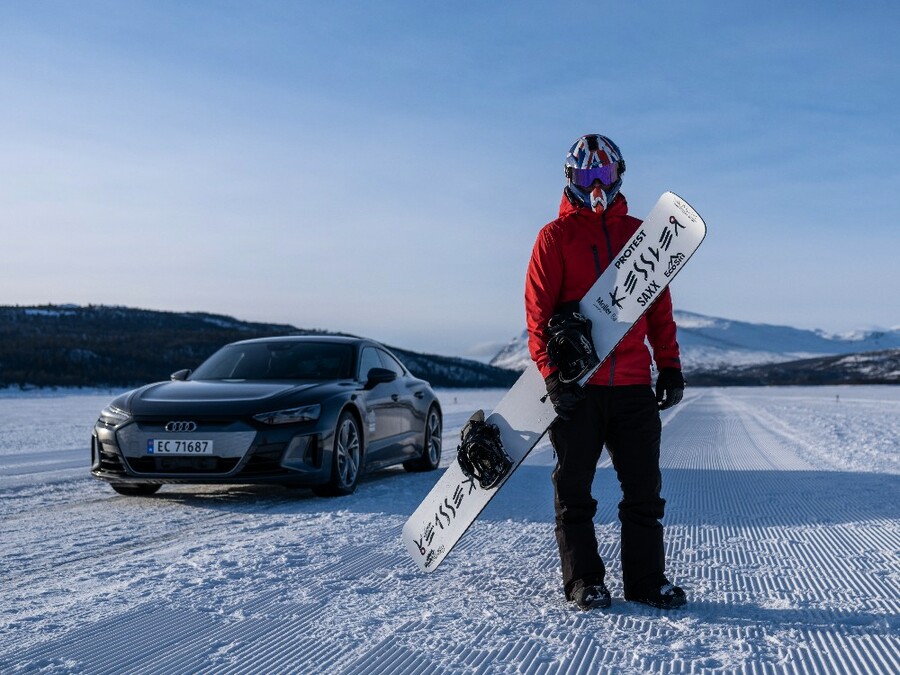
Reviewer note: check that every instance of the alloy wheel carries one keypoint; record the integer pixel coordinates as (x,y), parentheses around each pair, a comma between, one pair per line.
(434,437)
(348,453)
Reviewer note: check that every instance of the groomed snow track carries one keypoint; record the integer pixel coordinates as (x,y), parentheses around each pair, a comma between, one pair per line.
(782,523)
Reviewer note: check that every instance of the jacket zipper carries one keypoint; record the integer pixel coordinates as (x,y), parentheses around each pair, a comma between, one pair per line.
(612,357)
(596,259)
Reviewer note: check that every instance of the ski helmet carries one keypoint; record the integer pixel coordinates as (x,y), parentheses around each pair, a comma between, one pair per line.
(594,158)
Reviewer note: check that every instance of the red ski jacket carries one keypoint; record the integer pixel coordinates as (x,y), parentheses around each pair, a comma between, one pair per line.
(568,256)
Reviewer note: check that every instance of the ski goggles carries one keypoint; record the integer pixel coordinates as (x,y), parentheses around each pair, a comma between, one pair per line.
(584,178)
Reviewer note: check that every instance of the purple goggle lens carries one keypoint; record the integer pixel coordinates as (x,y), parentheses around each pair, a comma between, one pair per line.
(606,174)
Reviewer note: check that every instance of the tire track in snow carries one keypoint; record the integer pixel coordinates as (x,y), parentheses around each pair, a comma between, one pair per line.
(764,524)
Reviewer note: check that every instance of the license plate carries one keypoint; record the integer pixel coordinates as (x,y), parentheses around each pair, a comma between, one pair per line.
(174,446)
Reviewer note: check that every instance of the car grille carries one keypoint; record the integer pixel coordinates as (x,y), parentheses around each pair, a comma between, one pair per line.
(183,464)
(264,460)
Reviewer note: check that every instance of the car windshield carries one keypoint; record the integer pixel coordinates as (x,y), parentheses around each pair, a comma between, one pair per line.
(278,361)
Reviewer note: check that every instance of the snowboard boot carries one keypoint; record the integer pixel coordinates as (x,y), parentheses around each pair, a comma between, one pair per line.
(591,595)
(666,596)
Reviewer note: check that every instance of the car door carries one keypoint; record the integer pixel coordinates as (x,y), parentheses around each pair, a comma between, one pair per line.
(380,422)
(407,421)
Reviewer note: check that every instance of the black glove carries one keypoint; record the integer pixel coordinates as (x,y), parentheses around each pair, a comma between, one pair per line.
(565,397)
(669,387)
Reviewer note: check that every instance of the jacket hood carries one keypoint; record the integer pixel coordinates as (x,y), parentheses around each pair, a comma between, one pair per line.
(619,206)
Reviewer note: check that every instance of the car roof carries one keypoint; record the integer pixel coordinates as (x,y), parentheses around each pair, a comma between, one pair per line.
(333,339)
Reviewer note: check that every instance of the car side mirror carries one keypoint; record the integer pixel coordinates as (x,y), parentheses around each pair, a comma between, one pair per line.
(378,376)
(180,375)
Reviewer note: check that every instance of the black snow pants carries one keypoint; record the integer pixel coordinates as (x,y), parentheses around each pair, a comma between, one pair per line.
(626,419)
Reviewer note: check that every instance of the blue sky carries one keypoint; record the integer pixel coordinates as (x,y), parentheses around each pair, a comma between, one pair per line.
(383,168)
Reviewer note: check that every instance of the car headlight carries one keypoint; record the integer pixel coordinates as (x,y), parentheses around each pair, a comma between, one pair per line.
(306,413)
(113,416)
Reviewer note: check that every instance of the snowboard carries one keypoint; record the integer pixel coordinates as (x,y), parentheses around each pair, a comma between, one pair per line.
(650,260)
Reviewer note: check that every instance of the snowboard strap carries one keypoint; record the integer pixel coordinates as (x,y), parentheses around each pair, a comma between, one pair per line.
(570,347)
(480,453)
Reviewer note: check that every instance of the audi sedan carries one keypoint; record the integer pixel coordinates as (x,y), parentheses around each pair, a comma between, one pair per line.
(299,411)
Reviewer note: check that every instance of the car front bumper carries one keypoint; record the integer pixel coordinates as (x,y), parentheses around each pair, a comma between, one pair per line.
(294,454)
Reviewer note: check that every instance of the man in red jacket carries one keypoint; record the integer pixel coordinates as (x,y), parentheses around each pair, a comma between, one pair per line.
(617,406)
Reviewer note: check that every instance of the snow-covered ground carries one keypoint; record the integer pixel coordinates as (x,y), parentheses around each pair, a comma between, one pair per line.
(783,525)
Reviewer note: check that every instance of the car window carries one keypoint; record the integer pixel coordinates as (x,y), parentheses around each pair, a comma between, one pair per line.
(282,360)
(391,363)
(368,360)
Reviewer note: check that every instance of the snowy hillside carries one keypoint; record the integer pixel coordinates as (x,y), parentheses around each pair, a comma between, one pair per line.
(782,523)
(71,345)
(864,368)
(709,343)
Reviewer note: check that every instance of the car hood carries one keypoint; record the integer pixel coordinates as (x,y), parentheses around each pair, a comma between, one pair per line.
(223,397)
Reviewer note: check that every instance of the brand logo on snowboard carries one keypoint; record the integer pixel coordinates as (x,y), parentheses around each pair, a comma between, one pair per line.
(648,294)
(631,248)
(674,263)
(429,560)
(604,307)
(686,210)
(668,236)
(615,299)
(442,518)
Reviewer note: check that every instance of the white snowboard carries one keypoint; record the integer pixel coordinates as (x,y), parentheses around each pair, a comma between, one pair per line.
(626,289)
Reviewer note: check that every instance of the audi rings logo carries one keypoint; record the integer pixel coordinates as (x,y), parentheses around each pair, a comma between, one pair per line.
(181,426)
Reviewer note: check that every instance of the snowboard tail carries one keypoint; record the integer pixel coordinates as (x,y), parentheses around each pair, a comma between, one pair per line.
(645,266)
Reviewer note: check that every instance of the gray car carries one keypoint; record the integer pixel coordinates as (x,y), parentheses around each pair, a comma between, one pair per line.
(299,411)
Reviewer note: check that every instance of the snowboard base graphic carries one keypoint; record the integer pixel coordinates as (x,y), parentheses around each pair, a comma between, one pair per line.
(624,292)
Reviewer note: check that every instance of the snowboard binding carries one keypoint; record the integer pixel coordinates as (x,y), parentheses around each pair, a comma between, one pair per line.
(480,454)
(570,347)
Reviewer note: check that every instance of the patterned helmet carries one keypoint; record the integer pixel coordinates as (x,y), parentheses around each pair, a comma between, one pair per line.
(594,158)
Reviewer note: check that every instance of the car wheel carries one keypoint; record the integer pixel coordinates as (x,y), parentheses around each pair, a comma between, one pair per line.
(431,447)
(346,459)
(135,489)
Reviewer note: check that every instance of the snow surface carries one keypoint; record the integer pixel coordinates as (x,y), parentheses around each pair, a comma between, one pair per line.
(782,523)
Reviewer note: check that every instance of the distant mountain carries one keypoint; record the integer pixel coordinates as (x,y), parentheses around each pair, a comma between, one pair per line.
(881,367)
(515,355)
(709,342)
(71,345)
(711,345)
